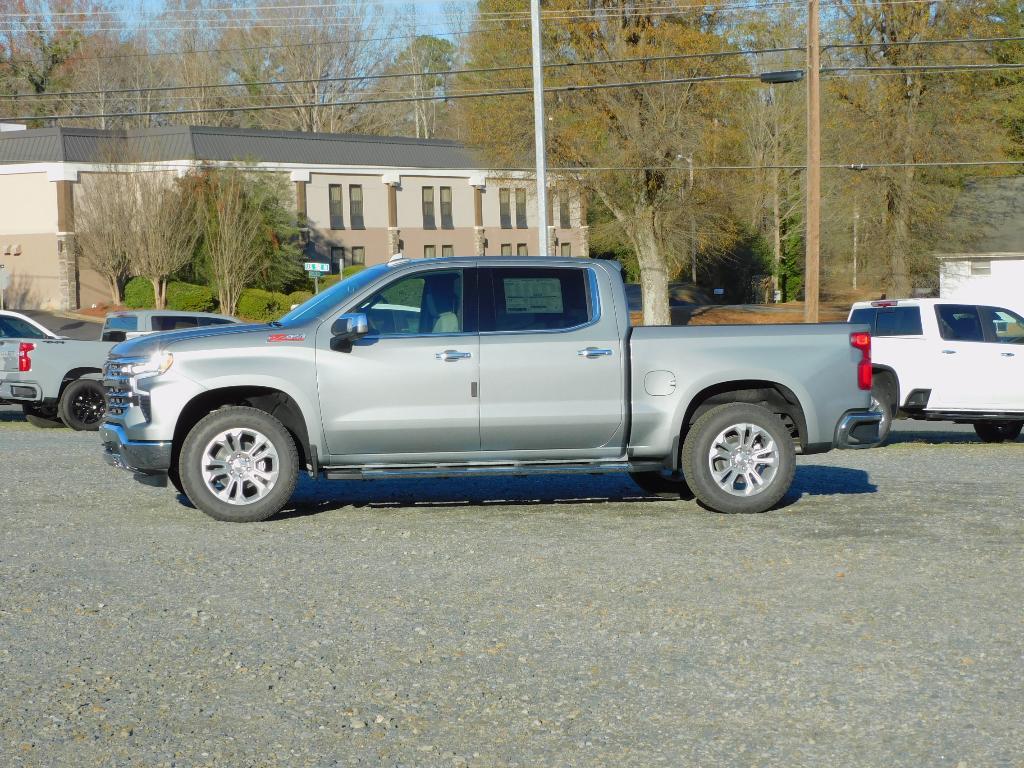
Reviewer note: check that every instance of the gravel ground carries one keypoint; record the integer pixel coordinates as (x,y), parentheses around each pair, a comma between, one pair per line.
(874,620)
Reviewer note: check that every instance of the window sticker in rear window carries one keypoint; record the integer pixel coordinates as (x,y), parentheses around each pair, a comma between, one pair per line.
(539,295)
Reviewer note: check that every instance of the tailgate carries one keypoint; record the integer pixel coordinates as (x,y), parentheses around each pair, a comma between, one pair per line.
(8,355)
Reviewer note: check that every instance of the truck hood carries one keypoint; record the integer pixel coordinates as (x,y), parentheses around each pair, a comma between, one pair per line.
(144,346)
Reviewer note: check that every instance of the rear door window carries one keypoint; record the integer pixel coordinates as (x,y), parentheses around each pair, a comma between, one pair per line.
(173,322)
(204,321)
(959,322)
(532,299)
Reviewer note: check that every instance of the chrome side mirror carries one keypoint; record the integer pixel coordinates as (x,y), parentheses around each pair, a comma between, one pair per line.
(350,327)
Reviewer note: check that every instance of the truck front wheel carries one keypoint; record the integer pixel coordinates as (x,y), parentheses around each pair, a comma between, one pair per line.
(998,431)
(83,405)
(739,458)
(239,465)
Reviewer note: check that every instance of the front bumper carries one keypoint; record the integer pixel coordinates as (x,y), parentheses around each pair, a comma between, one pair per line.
(149,457)
(858,429)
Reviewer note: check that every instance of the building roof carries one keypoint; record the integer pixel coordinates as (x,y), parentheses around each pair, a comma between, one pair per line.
(90,145)
(990,213)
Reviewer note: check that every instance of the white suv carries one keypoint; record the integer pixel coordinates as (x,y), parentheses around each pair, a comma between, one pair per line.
(947,361)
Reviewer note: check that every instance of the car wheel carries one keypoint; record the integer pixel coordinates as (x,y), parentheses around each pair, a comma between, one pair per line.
(998,431)
(239,465)
(83,405)
(42,416)
(739,458)
(665,485)
(883,401)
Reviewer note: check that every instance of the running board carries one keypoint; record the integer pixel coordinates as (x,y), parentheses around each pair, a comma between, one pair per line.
(518,469)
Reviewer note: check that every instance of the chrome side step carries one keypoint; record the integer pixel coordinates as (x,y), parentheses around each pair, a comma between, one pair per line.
(514,469)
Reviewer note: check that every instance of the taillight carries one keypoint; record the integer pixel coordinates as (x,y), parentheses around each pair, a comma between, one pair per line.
(862,341)
(24,356)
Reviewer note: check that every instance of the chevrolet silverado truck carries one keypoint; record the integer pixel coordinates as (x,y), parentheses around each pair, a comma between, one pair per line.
(941,360)
(498,366)
(58,381)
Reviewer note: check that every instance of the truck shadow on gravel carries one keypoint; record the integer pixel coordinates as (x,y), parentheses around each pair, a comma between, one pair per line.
(314,497)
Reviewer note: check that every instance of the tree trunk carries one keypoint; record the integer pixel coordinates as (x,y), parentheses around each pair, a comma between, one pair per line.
(653,270)
(115,290)
(159,291)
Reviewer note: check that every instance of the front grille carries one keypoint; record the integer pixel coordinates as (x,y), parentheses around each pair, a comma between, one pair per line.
(118,385)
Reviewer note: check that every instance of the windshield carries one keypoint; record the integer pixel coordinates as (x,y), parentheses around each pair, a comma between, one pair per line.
(333,296)
(16,328)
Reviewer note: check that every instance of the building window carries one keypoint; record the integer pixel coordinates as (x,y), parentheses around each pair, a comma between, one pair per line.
(429,251)
(337,259)
(505,203)
(447,251)
(520,209)
(355,206)
(563,210)
(337,212)
(567,250)
(358,257)
(521,250)
(428,208)
(981,267)
(446,208)
(506,249)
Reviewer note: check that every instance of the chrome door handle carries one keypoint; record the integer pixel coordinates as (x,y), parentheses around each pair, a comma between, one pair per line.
(1007,354)
(451,355)
(592,352)
(949,351)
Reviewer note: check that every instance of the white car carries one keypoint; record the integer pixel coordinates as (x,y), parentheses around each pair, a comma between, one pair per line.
(947,361)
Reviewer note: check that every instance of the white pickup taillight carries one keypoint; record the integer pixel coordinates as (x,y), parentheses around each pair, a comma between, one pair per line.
(862,341)
(25,349)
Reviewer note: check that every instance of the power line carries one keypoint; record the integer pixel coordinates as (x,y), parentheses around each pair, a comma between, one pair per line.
(943,41)
(389,76)
(396,100)
(921,68)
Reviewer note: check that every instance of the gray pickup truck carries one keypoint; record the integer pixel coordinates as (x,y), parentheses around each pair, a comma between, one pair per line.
(498,366)
(57,381)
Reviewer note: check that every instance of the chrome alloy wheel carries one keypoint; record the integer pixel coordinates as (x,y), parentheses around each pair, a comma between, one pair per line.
(743,459)
(240,466)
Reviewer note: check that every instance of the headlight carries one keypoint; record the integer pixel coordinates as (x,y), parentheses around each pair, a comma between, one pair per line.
(156,364)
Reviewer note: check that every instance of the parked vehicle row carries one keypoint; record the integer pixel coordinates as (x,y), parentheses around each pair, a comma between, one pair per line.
(58,381)
(940,360)
(497,366)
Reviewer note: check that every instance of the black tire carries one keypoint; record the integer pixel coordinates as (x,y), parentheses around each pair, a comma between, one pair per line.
(662,484)
(42,416)
(192,461)
(697,462)
(998,431)
(883,400)
(83,405)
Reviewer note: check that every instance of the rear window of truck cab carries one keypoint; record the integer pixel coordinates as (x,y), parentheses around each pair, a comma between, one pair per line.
(889,321)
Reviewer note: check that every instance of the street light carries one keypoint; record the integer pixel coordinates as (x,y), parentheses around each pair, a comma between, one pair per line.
(781,77)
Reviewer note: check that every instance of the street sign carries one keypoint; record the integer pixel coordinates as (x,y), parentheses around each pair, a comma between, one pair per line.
(316,266)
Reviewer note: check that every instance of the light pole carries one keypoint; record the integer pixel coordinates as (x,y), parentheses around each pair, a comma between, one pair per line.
(812,265)
(693,225)
(856,219)
(538,127)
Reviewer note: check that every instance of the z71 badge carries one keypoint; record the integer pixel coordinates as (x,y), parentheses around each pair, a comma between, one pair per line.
(277,338)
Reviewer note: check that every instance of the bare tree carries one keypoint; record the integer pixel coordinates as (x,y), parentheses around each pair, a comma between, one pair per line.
(232,230)
(104,227)
(166,229)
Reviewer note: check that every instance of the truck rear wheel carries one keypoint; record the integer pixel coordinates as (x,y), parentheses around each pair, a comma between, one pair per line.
(739,458)
(883,401)
(83,405)
(239,465)
(42,416)
(998,431)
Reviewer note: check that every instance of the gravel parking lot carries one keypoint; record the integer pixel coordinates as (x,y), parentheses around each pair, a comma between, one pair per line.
(874,620)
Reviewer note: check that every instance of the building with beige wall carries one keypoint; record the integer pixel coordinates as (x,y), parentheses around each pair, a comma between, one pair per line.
(362,198)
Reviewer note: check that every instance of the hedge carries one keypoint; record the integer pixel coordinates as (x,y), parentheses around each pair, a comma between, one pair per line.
(262,306)
(186,297)
(298,297)
(138,294)
(351,270)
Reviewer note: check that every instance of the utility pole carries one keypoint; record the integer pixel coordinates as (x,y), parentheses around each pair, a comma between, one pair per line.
(812,264)
(693,226)
(538,128)
(856,219)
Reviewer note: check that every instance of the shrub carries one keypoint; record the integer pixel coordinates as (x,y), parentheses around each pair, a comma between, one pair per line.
(138,294)
(262,306)
(297,297)
(186,297)
(328,280)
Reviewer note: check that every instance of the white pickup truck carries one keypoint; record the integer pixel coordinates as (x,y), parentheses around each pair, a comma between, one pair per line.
(947,361)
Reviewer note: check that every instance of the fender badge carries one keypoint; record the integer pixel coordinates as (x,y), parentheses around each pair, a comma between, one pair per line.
(277,338)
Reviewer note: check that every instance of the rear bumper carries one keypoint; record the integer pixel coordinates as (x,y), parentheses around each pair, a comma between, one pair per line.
(23,392)
(142,457)
(858,429)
